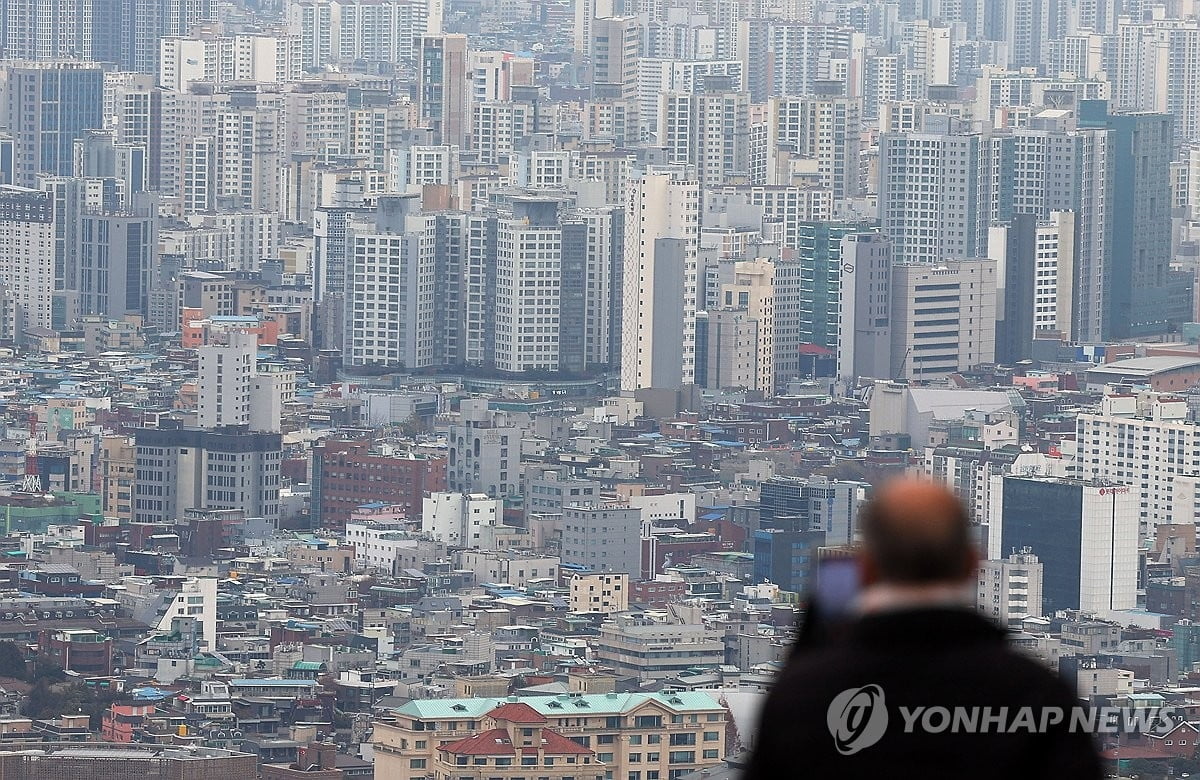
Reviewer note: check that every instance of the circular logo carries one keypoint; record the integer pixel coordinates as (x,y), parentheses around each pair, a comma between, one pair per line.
(857,718)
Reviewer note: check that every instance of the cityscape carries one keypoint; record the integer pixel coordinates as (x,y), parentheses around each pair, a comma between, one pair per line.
(475,389)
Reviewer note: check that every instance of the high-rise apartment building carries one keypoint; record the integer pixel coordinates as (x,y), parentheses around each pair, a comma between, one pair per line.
(657,76)
(662,233)
(932,193)
(824,129)
(708,130)
(1158,69)
(1055,164)
(40,30)
(266,59)
(142,23)
(444,88)
(225,373)
(27,244)
(339,32)
(781,57)
(529,288)
(390,287)
(1144,441)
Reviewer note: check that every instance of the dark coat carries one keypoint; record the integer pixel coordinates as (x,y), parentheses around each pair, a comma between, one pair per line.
(932,658)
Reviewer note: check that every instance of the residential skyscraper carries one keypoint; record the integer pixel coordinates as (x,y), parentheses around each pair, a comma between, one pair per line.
(709,130)
(662,234)
(27,242)
(390,290)
(42,30)
(932,193)
(826,129)
(444,88)
(225,372)
(1057,164)
(144,22)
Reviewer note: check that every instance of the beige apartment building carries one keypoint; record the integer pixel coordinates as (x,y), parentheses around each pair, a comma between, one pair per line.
(605,592)
(634,736)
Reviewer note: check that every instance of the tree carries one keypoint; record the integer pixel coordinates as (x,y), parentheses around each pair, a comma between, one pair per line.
(12,660)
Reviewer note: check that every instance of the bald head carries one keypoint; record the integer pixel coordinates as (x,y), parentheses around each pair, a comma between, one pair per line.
(916,533)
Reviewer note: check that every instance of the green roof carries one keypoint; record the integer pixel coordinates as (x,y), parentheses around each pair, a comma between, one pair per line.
(307,666)
(596,704)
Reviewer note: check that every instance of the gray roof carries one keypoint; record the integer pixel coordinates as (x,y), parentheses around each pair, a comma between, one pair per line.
(946,404)
(1146,366)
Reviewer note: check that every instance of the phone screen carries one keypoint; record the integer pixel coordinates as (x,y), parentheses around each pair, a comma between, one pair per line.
(837,587)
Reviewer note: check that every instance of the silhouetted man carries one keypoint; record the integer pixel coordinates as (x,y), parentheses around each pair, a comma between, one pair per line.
(920,685)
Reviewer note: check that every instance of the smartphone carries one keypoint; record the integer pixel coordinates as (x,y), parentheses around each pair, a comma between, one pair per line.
(831,602)
(837,588)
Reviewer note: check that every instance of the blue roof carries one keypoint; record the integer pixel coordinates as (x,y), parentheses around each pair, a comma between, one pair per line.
(730,443)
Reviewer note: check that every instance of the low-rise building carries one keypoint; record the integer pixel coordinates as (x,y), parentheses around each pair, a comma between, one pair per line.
(668,734)
(604,593)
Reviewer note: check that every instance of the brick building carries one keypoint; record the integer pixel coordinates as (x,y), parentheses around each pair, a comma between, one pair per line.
(348,474)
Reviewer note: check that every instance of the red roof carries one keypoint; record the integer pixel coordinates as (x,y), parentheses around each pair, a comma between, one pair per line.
(495,742)
(517,712)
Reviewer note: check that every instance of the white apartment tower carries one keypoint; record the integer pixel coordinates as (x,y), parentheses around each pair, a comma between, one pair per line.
(219,59)
(528,286)
(27,258)
(662,237)
(226,374)
(1145,441)
(1158,69)
(390,290)
(826,129)
(708,130)
(931,190)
